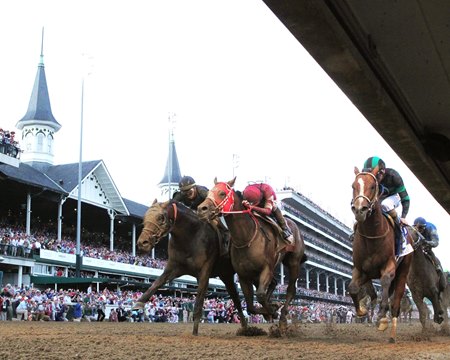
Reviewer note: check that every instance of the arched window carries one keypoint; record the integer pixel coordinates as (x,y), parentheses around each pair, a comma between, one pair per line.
(50,144)
(29,141)
(40,141)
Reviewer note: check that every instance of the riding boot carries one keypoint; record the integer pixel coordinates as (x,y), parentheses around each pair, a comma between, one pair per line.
(225,237)
(398,232)
(287,234)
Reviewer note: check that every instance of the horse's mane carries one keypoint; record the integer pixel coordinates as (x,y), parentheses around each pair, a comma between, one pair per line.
(192,214)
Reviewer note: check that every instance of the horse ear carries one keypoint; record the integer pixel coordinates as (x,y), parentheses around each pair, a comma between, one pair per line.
(215,180)
(356,170)
(154,201)
(231,182)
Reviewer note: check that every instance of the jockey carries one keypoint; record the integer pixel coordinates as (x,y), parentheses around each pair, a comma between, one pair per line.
(392,191)
(431,240)
(261,198)
(192,195)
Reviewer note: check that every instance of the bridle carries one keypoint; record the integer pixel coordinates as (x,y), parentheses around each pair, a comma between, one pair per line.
(161,229)
(226,205)
(373,201)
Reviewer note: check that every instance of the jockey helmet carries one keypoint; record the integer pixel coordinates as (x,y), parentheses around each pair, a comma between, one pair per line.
(186,183)
(252,194)
(374,163)
(420,221)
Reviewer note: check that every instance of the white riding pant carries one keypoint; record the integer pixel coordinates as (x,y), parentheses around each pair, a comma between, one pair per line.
(390,203)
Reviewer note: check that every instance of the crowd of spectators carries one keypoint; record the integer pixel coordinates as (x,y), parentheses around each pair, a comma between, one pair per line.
(15,242)
(8,145)
(32,304)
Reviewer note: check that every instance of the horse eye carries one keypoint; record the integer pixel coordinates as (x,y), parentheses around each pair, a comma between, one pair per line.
(160,218)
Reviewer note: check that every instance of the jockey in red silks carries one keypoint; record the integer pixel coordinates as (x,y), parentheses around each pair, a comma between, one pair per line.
(262,199)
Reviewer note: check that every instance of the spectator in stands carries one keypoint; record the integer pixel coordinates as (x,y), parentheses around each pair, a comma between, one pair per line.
(22,309)
(78,310)
(100,310)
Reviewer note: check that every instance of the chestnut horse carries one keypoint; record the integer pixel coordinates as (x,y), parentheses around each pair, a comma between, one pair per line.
(374,252)
(193,249)
(254,249)
(423,281)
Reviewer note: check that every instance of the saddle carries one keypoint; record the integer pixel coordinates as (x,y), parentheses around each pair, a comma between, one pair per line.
(281,243)
(402,247)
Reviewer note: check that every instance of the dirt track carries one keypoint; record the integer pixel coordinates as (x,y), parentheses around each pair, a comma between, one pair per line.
(57,340)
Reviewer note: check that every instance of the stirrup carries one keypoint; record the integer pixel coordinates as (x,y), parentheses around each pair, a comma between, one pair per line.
(287,235)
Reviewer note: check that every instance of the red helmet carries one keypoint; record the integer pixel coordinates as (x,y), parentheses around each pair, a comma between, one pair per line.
(252,194)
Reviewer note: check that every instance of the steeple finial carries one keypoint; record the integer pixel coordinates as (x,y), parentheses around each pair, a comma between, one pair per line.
(41,62)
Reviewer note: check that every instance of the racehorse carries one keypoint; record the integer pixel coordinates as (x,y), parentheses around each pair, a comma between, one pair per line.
(406,308)
(193,249)
(374,251)
(423,281)
(254,249)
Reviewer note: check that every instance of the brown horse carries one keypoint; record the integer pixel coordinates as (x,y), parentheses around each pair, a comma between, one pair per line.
(374,251)
(254,249)
(423,281)
(193,250)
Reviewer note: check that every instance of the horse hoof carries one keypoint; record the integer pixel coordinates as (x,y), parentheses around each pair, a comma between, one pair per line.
(391,340)
(383,324)
(138,306)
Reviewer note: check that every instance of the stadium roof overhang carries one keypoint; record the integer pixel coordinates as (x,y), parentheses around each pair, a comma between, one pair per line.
(392,60)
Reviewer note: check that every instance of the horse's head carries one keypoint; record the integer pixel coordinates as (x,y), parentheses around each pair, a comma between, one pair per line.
(365,194)
(156,225)
(220,200)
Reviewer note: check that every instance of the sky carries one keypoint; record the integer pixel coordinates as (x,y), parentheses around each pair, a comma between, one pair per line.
(233,78)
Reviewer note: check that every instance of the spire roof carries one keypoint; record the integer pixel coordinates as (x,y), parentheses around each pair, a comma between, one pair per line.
(39,109)
(172,166)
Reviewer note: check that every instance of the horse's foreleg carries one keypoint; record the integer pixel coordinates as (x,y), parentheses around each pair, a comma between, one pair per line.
(358,278)
(265,279)
(202,280)
(386,279)
(168,275)
(231,288)
(437,308)
(423,310)
(247,289)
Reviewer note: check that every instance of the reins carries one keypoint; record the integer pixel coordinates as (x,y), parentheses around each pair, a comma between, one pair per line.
(219,209)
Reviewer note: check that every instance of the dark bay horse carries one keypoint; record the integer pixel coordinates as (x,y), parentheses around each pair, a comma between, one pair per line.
(374,251)
(254,249)
(423,281)
(193,249)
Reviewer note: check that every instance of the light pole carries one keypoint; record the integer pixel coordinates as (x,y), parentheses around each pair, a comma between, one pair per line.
(235,162)
(169,170)
(78,257)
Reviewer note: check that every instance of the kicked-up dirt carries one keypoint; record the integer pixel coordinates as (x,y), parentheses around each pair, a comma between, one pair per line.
(106,340)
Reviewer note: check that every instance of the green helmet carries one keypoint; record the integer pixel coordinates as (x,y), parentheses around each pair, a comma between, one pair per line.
(373,162)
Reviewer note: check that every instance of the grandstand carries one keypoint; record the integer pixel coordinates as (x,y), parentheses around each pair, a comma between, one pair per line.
(39,206)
